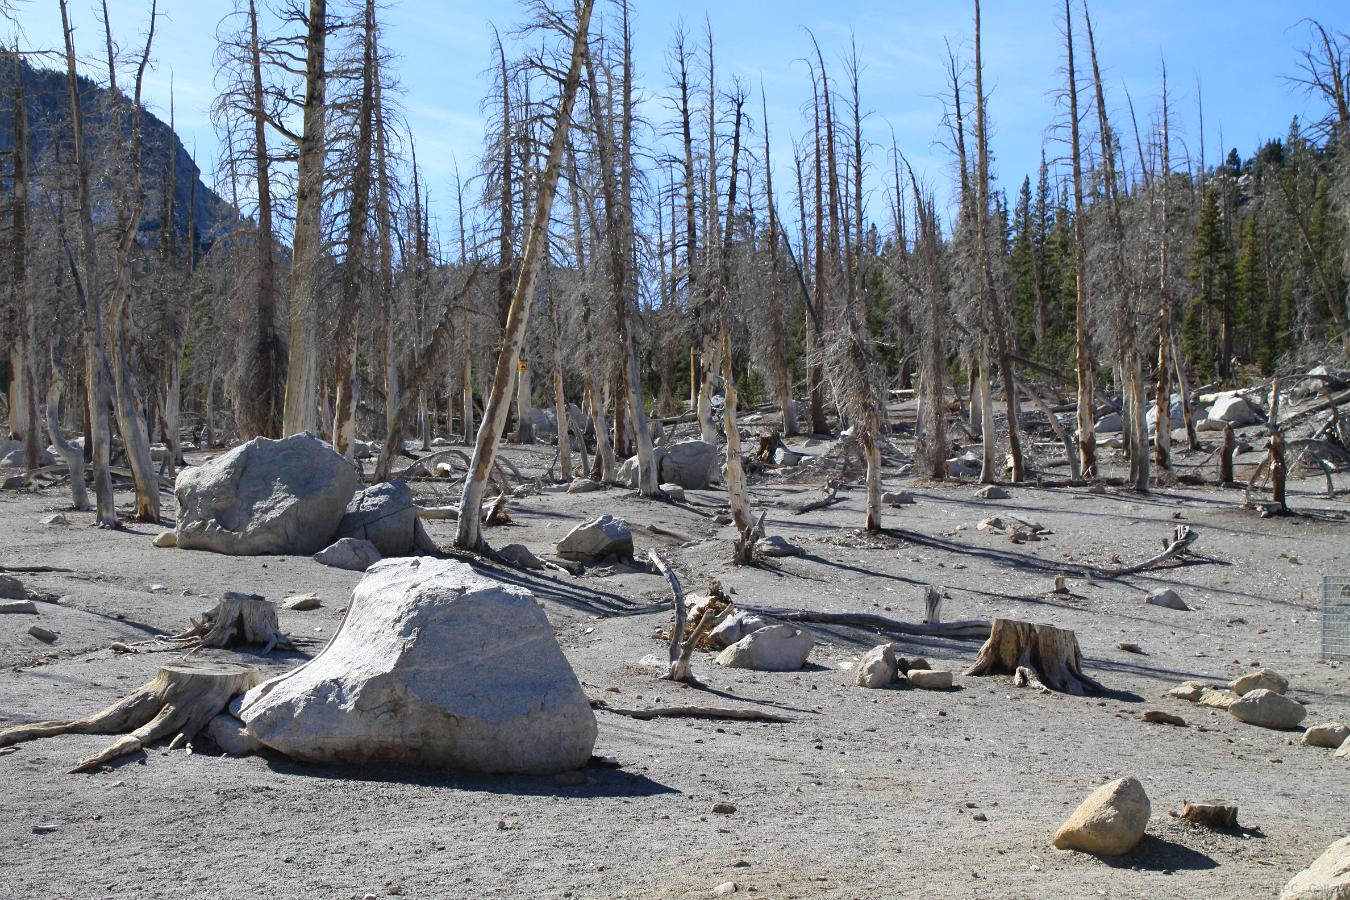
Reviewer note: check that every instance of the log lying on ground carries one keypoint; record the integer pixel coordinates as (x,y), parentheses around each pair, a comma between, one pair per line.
(831,489)
(692,712)
(1038,655)
(969,628)
(236,619)
(181,699)
(1179,546)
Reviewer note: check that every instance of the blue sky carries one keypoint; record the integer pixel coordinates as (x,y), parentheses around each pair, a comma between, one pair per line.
(1240,52)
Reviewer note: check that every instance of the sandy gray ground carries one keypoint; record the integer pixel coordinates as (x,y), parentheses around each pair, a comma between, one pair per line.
(863,794)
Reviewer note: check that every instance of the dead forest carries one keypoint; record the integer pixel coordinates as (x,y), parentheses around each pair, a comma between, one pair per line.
(843,483)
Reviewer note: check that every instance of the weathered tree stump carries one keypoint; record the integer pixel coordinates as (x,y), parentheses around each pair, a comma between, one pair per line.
(1226,456)
(181,699)
(1039,655)
(236,619)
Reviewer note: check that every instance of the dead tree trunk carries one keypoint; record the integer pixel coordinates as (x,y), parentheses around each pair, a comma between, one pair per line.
(468,536)
(1162,404)
(1226,455)
(23,385)
(1037,655)
(182,698)
(89,287)
(302,382)
(1087,438)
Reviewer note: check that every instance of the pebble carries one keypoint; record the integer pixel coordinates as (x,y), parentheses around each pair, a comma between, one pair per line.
(44,829)
(724,808)
(46,635)
(301,602)
(724,889)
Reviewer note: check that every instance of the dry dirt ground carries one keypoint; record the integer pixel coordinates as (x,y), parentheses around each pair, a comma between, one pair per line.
(864,793)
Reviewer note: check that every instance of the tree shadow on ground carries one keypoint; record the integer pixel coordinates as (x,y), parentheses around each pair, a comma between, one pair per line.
(1159,855)
(574,596)
(601,780)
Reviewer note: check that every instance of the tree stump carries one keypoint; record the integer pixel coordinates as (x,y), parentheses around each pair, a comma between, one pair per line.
(1039,655)
(181,699)
(236,619)
(1226,456)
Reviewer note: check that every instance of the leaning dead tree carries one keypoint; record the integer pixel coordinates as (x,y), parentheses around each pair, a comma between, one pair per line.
(180,700)
(468,536)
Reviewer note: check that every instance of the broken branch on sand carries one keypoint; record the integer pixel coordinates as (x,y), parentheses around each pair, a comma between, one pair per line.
(692,712)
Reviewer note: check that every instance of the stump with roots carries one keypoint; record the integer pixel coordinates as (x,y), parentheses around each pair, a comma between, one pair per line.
(181,699)
(1038,655)
(236,619)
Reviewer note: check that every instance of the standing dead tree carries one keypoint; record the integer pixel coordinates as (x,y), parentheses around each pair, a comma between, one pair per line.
(1087,439)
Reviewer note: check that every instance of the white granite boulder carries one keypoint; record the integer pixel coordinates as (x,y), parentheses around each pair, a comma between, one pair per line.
(596,540)
(778,648)
(434,665)
(266,496)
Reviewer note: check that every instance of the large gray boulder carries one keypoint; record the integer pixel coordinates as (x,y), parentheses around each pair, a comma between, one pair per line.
(11,455)
(267,496)
(1234,409)
(1328,878)
(1268,710)
(778,648)
(1176,415)
(385,515)
(692,465)
(435,665)
(596,540)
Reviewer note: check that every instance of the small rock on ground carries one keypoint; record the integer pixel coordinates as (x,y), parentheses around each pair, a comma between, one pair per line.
(18,606)
(1168,599)
(302,602)
(992,492)
(930,679)
(46,635)
(1268,710)
(1328,734)
(1111,821)
(1264,678)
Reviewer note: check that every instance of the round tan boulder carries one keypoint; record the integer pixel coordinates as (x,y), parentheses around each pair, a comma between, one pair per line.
(1111,821)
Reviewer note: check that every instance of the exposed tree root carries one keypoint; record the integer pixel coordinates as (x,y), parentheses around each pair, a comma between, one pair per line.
(181,699)
(1035,655)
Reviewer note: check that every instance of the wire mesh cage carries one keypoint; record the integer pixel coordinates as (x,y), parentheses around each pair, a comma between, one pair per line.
(1336,617)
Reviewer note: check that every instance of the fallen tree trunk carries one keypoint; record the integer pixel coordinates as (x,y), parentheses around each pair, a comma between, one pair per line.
(969,628)
(1038,655)
(1182,538)
(692,712)
(182,698)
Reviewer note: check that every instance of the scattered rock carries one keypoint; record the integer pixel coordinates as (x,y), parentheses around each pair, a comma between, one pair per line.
(1189,690)
(435,665)
(600,539)
(1168,599)
(1159,717)
(302,602)
(1267,679)
(1328,734)
(1215,814)
(18,606)
(930,679)
(165,539)
(11,588)
(264,497)
(734,627)
(45,828)
(385,515)
(1111,423)
(777,648)
(55,519)
(1111,821)
(897,498)
(1216,698)
(349,553)
(520,555)
(1268,710)
(11,455)
(1328,878)
(724,889)
(777,545)
(1343,752)
(992,492)
(877,668)
(584,486)
(673,491)
(231,737)
(46,635)
(1129,647)
(723,808)
(14,483)
(157,588)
